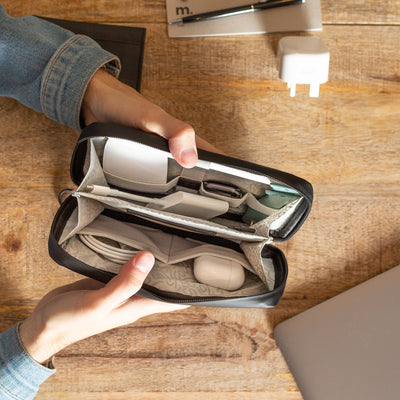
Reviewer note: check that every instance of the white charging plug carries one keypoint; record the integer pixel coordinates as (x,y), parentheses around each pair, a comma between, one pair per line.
(303,60)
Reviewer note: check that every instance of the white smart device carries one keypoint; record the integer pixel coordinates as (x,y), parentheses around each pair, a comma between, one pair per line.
(219,272)
(126,162)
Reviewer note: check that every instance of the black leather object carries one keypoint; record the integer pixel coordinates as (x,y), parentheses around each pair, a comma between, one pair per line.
(269,299)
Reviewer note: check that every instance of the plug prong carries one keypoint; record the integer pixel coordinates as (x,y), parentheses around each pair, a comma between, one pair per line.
(314,89)
(292,88)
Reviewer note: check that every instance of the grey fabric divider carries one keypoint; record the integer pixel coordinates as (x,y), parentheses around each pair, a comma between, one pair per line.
(277,219)
(150,187)
(170,249)
(177,278)
(264,267)
(173,271)
(87,210)
(188,223)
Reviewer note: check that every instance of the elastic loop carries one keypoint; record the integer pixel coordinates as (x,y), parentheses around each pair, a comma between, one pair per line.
(62,193)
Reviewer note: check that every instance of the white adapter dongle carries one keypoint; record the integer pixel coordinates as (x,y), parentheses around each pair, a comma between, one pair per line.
(304,60)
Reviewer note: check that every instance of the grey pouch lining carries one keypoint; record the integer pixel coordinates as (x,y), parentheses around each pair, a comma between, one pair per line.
(167,248)
(174,258)
(87,210)
(168,218)
(175,277)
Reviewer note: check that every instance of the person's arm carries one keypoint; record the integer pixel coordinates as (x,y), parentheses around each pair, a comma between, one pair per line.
(48,68)
(72,80)
(20,375)
(58,73)
(66,315)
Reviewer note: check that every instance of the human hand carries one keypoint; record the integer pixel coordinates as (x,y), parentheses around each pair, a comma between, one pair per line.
(74,312)
(109,100)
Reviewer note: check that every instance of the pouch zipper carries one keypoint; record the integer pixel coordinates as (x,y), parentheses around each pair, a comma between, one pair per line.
(184,299)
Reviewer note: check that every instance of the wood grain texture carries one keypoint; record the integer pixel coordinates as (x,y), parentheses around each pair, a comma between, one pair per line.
(153,11)
(346,143)
(171,396)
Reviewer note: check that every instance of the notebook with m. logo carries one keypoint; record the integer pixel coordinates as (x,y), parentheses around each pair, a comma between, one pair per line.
(297,17)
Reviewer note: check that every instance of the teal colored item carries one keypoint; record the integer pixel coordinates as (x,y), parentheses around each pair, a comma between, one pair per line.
(284,189)
(273,199)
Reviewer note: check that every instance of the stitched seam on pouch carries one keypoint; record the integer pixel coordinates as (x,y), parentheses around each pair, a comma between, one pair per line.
(170,247)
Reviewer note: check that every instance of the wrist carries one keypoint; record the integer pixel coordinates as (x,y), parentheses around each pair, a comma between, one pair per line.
(37,341)
(96,93)
(88,98)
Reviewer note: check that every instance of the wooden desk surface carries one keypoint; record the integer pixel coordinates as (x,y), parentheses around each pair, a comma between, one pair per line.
(346,143)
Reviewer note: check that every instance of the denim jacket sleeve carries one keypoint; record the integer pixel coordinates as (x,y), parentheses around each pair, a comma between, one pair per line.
(20,375)
(48,68)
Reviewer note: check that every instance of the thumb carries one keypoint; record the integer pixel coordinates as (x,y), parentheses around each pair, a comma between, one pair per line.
(182,142)
(180,135)
(109,100)
(128,281)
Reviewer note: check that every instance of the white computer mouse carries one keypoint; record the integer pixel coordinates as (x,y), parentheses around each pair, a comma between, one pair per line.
(219,272)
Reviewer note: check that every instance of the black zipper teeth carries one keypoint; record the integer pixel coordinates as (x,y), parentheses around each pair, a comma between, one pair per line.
(197,300)
(191,299)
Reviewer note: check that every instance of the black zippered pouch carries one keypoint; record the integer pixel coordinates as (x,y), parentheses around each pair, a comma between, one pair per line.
(210,228)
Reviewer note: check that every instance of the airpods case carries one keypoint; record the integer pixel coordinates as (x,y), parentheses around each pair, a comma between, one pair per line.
(224,209)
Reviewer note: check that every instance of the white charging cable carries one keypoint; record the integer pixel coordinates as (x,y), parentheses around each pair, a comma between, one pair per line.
(114,254)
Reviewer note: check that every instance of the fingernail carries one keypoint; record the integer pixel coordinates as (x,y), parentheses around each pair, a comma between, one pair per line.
(189,156)
(144,263)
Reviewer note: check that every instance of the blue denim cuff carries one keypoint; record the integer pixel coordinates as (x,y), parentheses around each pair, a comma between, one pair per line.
(67,76)
(20,375)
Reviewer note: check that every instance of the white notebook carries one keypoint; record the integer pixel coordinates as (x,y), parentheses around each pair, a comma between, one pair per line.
(297,17)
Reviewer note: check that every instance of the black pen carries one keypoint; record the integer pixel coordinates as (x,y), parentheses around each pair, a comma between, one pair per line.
(262,5)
